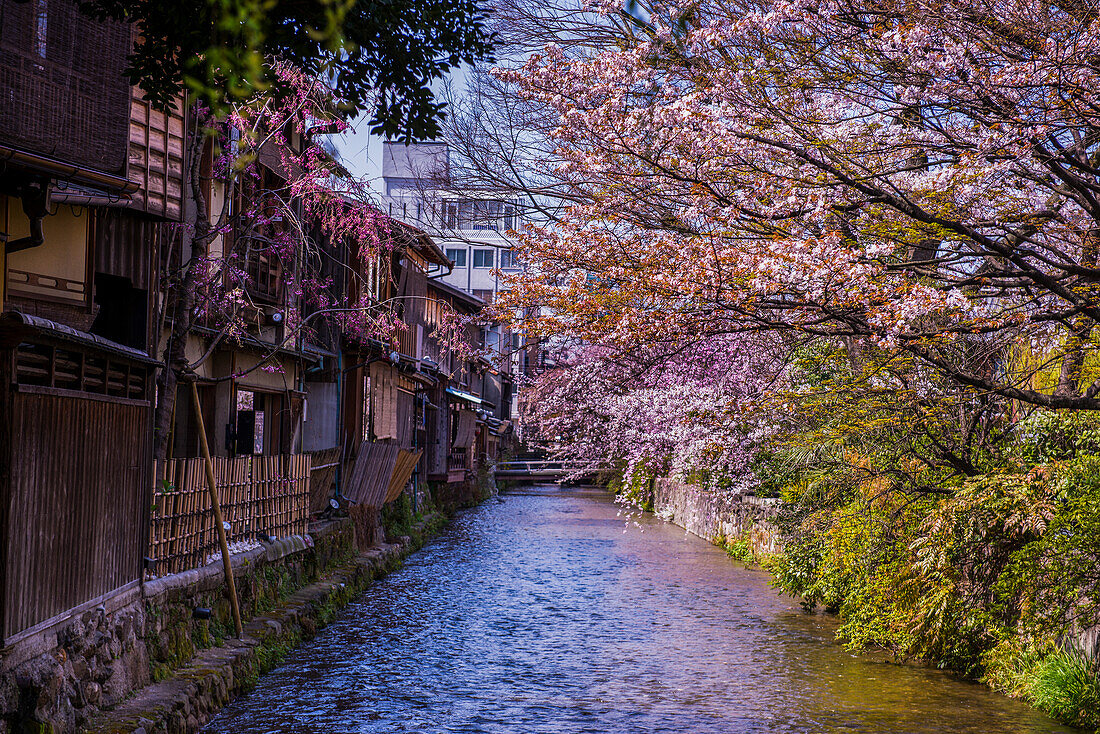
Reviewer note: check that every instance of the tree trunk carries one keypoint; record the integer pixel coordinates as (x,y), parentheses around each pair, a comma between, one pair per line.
(181,296)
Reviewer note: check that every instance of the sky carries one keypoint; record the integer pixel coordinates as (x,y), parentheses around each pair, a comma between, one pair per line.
(362,152)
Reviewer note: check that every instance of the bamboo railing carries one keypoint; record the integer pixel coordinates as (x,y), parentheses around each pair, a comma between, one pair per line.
(258,494)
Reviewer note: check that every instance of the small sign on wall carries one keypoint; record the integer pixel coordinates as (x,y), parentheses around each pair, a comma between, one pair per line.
(258,435)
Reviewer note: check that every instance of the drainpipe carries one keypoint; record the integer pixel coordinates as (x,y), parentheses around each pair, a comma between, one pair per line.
(340,420)
(36,205)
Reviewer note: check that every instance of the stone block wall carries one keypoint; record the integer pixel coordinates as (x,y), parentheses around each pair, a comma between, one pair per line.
(53,681)
(57,679)
(718,516)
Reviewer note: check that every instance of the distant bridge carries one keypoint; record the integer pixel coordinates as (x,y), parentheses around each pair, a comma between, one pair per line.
(547,469)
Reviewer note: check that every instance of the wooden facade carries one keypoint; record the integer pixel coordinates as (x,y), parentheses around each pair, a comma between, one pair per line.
(91,179)
(75,453)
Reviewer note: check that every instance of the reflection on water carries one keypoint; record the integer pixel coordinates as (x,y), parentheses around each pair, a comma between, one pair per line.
(548,613)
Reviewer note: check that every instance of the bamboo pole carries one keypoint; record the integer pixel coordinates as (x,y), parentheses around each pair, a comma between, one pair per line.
(211,484)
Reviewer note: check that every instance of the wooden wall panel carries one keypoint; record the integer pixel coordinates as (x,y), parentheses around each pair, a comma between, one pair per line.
(126,245)
(80,471)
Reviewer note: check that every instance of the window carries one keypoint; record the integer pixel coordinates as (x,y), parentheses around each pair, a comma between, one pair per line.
(265,274)
(457,256)
(508,218)
(41,26)
(490,216)
(508,260)
(483,258)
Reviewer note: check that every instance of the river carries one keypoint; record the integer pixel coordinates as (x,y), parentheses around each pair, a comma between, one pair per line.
(547,612)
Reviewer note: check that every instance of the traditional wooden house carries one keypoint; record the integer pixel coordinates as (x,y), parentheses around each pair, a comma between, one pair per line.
(250,363)
(383,386)
(90,182)
(455,427)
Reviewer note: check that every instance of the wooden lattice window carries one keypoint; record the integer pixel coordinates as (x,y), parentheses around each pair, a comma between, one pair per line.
(265,273)
(71,368)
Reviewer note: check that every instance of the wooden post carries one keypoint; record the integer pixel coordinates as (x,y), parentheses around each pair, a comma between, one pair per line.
(211,484)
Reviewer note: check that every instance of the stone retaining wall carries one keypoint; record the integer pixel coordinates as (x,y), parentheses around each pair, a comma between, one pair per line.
(194,693)
(59,678)
(717,516)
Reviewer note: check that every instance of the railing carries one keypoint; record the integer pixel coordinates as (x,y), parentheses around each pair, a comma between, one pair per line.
(457,460)
(548,468)
(257,494)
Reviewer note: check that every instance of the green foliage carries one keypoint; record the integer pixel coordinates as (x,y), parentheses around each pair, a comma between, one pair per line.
(772,472)
(1057,435)
(985,581)
(939,530)
(740,549)
(854,559)
(398,517)
(1055,579)
(635,489)
(1062,683)
(378,55)
(1065,686)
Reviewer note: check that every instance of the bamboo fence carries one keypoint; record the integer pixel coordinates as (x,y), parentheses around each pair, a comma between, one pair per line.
(258,494)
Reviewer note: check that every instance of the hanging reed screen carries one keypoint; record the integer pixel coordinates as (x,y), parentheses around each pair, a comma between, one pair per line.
(65,96)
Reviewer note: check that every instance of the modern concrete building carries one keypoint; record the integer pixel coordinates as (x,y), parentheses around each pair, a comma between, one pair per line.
(472,227)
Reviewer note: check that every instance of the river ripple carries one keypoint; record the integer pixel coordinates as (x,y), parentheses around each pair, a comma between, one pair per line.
(546,612)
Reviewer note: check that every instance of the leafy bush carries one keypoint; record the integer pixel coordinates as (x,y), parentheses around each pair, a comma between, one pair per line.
(1048,435)
(1060,682)
(1066,687)
(1055,580)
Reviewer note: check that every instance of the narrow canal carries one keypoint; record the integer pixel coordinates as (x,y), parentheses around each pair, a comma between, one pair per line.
(547,613)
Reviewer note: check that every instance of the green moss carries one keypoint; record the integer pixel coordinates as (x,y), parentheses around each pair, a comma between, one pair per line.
(398,517)
(161,672)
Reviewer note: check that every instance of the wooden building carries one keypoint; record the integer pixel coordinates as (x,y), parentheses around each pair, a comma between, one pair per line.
(90,179)
(385,385)
(92,189)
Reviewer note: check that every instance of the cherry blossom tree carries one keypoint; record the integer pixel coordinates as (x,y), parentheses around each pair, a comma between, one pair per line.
(661,411)
(917,177)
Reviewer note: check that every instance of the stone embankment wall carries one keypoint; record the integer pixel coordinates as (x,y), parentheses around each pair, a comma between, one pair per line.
(148,638)
(717,516)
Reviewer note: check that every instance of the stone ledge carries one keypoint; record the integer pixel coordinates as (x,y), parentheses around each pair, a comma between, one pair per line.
(215,676)
(210,576)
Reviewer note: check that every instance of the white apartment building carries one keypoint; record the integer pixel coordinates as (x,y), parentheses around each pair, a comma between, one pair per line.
(469,225)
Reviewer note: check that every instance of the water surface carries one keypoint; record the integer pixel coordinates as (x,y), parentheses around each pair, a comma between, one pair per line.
(548,613)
